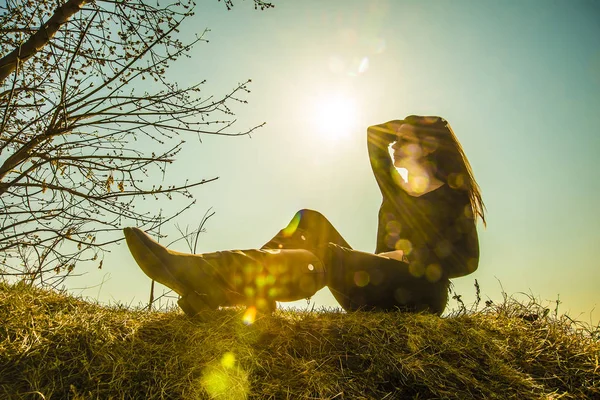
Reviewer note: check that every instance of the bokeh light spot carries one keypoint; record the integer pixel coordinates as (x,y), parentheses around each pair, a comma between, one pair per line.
(262,304)
(260,281)
(433,272)
(391,239)
(279,269)
(393,227)
(468,212)
(430,144)
(419,184)
(405,245)
(249,291)
(249,315)
(389,217)
(456,181)
(416,269)
(361,278)
(443,248)
(225,380)
(228,360)
(311,267)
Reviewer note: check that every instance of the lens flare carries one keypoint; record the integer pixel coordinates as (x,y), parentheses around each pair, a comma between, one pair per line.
(249,316)
(419,184)
(292,226)
(364,65)
(224,379)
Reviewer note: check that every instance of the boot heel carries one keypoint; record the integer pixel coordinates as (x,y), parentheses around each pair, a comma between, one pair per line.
(192,304)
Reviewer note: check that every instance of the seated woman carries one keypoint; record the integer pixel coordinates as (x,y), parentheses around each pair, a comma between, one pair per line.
(426,236)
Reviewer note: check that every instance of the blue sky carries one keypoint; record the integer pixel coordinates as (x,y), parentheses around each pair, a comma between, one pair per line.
(518,81)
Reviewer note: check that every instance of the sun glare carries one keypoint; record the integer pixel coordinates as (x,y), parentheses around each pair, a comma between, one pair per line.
(335,116)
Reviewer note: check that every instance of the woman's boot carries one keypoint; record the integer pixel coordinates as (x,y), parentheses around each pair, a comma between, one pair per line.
(251,277)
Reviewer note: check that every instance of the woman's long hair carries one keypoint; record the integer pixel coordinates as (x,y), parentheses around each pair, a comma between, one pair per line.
(450,162)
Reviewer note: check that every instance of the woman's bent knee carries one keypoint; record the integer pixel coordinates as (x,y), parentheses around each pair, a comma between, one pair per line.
(308,214)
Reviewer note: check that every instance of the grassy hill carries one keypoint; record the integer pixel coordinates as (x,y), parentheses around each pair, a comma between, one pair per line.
(54,346)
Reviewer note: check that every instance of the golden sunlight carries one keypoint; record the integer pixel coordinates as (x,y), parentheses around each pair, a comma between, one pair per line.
(335,115)
(249,315)
(402,171)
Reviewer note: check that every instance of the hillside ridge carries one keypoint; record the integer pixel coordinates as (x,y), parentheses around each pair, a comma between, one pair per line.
(56,346)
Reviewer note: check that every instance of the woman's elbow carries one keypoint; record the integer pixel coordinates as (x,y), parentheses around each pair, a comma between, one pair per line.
(465,258)
(464,267)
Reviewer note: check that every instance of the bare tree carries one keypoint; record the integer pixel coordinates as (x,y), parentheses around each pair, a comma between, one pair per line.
(72,112)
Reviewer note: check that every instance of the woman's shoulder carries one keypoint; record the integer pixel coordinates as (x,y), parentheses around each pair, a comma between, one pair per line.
(442,193)
(447,197)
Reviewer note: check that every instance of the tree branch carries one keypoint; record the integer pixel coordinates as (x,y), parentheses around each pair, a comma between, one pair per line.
(39,39)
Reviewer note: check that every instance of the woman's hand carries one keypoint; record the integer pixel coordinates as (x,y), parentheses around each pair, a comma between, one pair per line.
(391,130)
(387,131)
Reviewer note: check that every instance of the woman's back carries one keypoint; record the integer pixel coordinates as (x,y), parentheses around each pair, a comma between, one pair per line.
(435,231)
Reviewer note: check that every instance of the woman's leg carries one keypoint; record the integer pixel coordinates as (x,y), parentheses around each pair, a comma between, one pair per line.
(295,264)
(250,277)
(366,281)
(360,280)
(308,230)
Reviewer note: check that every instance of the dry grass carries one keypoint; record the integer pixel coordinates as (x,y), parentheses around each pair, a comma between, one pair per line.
(53,346)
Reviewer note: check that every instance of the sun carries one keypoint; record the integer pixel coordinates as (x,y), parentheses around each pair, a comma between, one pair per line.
(335,116)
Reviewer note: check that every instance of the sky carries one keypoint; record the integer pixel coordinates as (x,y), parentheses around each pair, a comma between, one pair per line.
(519,82)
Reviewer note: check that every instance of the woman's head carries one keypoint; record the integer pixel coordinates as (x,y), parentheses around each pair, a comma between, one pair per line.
(412,143)
(432,138)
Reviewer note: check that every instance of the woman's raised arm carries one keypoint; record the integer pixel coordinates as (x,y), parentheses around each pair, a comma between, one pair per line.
(379,138)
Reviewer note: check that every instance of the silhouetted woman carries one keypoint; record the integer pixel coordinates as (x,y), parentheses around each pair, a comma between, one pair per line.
(426,236)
